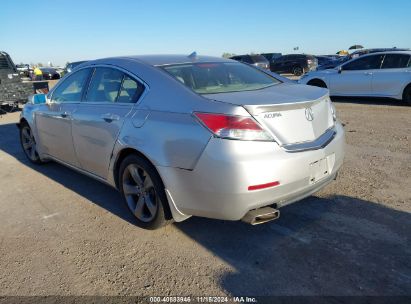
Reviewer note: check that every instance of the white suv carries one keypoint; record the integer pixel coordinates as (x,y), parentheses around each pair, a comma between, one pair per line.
(385,74)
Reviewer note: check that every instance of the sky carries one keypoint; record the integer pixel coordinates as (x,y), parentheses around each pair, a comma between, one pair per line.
(58,31)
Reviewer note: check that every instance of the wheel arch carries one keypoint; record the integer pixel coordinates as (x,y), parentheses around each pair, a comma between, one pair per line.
(121,155)
(408,86)
(171,210)
(318,81)
(22,121)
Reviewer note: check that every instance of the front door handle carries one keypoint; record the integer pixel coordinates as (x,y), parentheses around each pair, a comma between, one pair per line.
(368,73)
(110,117)
(65,114)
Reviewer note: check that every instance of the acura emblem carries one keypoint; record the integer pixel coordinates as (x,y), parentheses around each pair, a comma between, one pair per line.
(309,114)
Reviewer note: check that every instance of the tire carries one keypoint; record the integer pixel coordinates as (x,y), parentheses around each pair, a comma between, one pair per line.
(298,71)
(143,193)
(406,96)
(317,83)
(28,144)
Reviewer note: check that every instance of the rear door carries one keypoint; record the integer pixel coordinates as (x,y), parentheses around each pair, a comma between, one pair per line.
(110,98)
(54,120)
(390,79)
(355,78)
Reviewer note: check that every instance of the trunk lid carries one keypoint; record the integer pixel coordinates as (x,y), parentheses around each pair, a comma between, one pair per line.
(292,113)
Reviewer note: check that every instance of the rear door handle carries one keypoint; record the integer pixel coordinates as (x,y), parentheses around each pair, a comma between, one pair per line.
(368,73)
(110,117)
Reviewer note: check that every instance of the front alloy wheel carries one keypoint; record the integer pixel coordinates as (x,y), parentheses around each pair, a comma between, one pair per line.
(28,144)
(143,192)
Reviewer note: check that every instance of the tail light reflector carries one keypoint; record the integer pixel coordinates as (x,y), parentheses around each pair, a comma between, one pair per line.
(263,186)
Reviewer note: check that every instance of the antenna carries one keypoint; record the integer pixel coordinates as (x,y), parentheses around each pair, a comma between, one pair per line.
(193,55)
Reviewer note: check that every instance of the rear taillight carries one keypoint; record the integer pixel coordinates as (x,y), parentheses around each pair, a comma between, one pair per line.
(233,127)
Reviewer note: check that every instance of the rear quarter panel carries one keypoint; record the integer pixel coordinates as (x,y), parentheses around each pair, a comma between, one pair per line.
(165,138)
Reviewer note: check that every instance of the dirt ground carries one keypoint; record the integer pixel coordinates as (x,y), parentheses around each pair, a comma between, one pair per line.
(62,233)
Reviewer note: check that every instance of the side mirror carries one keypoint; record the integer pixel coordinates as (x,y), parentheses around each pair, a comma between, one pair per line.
(37,98)
(340,69)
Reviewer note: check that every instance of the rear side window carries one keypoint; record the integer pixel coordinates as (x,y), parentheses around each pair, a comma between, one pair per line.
(111,85)
(104,85)
(395,61)
(130,91)
(364,63)
(3,63)
(71,89)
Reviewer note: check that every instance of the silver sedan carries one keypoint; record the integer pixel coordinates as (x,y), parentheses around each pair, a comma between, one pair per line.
(188,135)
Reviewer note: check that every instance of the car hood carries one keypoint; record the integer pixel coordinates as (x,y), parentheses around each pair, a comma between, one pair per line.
(283,93)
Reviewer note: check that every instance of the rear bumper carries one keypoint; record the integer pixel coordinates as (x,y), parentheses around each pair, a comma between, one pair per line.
(218,185)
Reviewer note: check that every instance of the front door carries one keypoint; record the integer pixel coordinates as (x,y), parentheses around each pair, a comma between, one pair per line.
(100,116)
(54,120)
(277,65)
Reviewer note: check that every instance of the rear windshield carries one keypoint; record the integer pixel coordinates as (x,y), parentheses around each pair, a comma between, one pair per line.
(259,58)
(210,78)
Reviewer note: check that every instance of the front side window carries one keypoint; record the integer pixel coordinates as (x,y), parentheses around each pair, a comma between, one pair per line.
(364,63)
(210,78)
(395,61)
(71,89)
(111,85)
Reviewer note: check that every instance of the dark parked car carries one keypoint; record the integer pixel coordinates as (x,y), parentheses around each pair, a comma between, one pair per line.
(23,69)
(296,64)
(323,60)
(70,66)
(333,63)
(257,60)
(49,73)
(271,56)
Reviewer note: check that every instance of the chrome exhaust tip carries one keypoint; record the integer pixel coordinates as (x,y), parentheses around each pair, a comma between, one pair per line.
(260,216)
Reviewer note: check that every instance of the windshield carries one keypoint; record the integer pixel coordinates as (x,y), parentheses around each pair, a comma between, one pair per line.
(211,78)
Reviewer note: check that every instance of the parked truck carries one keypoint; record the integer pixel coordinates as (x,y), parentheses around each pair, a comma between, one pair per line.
(13,90)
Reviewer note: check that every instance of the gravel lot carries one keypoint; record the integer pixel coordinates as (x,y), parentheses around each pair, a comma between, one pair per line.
(62,233)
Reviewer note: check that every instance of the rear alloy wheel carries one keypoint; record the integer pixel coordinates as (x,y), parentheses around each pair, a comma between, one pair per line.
(406,97)
(298,71)
(28,144)
(143,192)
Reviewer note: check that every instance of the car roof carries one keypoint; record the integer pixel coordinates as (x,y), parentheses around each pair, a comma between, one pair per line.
(156,60)
(77,62)
(387,52)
